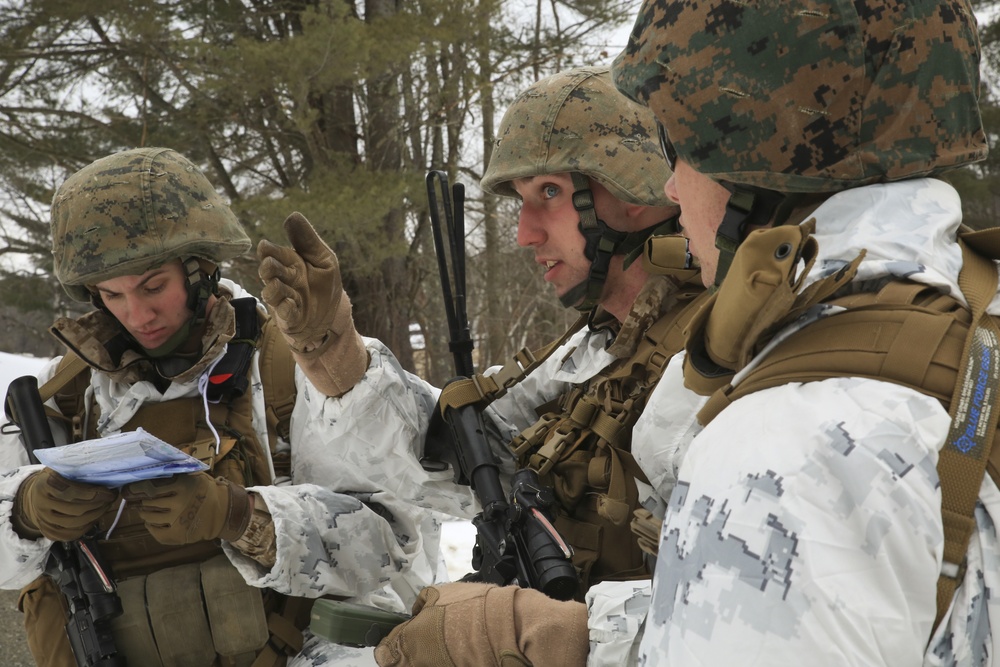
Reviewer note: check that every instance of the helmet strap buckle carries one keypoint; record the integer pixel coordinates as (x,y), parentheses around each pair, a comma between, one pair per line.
(748,206)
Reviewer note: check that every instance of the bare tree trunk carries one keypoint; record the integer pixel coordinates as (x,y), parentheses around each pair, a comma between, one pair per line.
(384,310)
(496,329)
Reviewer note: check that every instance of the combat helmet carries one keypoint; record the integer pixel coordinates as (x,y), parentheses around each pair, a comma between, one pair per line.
(814,97)
(132,211)
(577,122)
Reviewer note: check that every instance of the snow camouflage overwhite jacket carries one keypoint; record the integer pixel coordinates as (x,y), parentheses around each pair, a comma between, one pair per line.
(803,523)
(338,532)
(380,426)
(804,520)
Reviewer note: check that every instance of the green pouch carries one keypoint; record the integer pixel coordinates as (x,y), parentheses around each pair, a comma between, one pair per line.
(352,624)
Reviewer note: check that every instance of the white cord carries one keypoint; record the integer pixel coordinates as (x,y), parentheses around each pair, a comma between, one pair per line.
(121,508)
(203,390)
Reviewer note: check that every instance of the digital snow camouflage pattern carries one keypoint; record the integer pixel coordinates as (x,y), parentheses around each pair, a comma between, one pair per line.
(812,96)
(805,519)
(615,611)
(576,121)
(133,211)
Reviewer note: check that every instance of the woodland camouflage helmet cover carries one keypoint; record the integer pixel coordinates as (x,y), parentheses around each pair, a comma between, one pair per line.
(813,96)
(576,121)
(133,211)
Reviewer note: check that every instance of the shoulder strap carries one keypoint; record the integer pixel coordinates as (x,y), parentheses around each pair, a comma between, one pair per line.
(277,374)
(916,342)
(975,407)
(66,370)
(69,371)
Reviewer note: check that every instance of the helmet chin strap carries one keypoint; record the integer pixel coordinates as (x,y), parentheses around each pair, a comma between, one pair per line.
(602,243)
(748,206)
(202,283)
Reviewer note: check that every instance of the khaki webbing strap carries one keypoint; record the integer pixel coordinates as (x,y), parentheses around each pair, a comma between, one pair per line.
(564,440)
(204,450)
(68,368)
(912,352)
(616,505)
(623,494)
(857,342)
(587,415)
(632,466)
(277,375)
(975,408)
(532,435)
(985,242)
(71,367)
(894,293)
(606,427)
(488,388)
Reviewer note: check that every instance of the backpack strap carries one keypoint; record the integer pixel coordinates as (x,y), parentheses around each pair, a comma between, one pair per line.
(69,370)
(916,343)
(277,375)
(975,408)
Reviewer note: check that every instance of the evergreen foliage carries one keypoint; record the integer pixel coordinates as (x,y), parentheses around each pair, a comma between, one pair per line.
(335,108)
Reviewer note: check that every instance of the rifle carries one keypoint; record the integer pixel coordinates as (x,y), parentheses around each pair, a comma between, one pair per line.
(76,567)
(516,541)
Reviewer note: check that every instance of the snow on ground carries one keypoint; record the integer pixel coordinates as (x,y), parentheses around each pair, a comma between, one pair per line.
(457,540)
(13,366)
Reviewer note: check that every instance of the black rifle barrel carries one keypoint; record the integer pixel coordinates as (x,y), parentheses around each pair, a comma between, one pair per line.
(460,342)
(515,539)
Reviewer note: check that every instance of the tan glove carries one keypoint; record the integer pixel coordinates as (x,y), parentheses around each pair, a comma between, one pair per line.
(478,625)
(303,288)
(47,504)
(191,508)
(258,540)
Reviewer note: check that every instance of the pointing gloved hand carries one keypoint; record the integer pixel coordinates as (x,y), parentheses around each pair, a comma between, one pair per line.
(47,504)
(191,507)
(461,624)
(303,288)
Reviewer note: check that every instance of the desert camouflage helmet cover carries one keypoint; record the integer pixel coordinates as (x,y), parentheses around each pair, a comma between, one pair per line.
(813,96)
(133,211)
(576,121)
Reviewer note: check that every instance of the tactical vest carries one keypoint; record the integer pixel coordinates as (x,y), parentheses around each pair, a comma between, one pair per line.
(903,332)
(188,599)
(581,444)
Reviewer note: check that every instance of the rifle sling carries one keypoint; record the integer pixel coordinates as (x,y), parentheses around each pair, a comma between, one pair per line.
(488,388)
